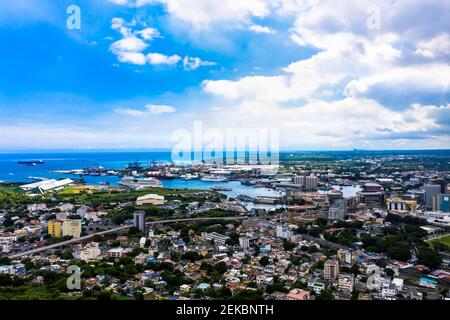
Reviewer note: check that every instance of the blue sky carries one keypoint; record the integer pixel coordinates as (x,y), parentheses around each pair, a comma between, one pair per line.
(138,70)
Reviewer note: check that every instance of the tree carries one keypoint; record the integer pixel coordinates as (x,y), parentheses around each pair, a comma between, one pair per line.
(4,261)
(191,256)
(389,272)
(288,245)
(399,251)
(325,294)
(429,258)
(221,267)
(248,295)
(5,280)
(264,261)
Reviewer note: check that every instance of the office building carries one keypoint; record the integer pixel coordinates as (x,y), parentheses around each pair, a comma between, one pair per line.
(431,190)
(139,220)
(441,182)
(444,203)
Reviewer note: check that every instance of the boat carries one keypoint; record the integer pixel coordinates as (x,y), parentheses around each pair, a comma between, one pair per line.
(189,176)
(160,175)
(216,188)
(33,162)
(214,178)
(140,183)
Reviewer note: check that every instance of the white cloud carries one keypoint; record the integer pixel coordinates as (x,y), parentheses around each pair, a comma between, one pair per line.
(158,109)
(365,63)
(434,78)
(130,44)
(438,46)
(120,2)
(150,109)
(149,33)
(131,57)
(193,63)
(158,58)
(130,112)
(261,29)
(201,13)
(248,88)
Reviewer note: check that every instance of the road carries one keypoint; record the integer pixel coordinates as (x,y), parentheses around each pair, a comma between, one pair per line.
(121,228)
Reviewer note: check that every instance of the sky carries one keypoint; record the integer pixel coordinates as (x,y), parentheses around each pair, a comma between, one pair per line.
(323,74)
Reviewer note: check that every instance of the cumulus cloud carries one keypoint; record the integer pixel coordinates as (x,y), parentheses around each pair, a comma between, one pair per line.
(434,78)
(261,29)
(158,58)
(201,13)
(436,47)
(362,68)
(149,33)
(130,49)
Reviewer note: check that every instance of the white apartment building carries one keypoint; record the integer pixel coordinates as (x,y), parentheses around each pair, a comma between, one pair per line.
(90,252)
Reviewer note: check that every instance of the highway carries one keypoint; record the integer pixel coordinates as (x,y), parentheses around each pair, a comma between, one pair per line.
(121,228)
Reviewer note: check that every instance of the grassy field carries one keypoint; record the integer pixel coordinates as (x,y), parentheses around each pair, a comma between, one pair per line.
(445,240)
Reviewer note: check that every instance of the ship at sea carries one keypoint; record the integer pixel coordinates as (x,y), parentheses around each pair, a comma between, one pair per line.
(31,163)
(140,183)
(214,178)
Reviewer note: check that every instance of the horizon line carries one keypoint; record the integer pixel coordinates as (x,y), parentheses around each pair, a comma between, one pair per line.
(129,150)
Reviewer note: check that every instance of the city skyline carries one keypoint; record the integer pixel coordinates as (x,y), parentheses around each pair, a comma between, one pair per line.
(326,76)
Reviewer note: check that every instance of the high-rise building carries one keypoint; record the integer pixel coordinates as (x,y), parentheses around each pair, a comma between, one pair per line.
(445,203)
(311,182)
(299,180)
(139,220)
(436,202)
(441,182)
(72,228)
(430,191)
(54,228)
(338,210)
(331,270)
